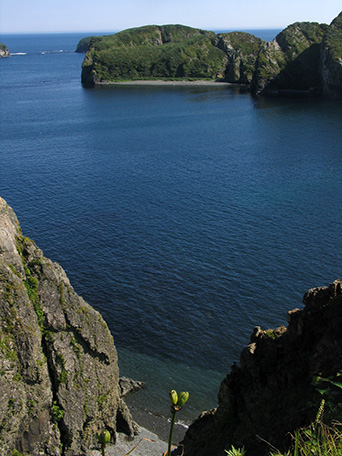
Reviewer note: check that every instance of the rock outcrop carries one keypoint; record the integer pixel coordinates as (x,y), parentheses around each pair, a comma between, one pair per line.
(274,389)
(242,50)
(4,52)
(58,363)
(291,61)
(331,60)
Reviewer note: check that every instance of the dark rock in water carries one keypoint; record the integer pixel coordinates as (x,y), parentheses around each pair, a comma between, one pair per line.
(128,385)
(331,63)
(273,392)
(4,52)
(58,363)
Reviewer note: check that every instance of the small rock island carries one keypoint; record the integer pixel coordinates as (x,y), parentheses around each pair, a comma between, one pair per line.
(4,52)
(303,60)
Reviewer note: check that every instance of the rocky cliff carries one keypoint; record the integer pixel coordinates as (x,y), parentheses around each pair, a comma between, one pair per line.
(242,50)
(291,61)
(58,364)
(305,59)
(331,60)
(274,389)
(4,52)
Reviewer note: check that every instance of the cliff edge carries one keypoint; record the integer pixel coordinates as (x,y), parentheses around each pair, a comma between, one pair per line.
(58,363)
(276,388)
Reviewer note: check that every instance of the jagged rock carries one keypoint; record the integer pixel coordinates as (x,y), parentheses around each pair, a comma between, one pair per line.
(4,52)
(331,61)
(242,50)
(272,392)
(58,364)
(128,385)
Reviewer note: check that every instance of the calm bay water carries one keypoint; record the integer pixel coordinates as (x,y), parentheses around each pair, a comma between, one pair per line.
(186,216)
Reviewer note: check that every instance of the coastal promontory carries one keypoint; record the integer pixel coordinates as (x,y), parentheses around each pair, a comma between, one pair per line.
(304,60)
(59,377)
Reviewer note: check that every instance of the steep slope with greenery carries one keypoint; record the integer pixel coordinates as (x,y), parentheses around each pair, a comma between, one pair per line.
(242,50)
(332,59)
(170,51)
(303,60)
(291,61)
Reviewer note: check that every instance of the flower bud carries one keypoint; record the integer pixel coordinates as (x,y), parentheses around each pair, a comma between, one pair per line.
(183,397)
(104,437)
(173,397)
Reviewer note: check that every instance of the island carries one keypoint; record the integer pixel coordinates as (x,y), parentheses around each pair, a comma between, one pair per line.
(305,59)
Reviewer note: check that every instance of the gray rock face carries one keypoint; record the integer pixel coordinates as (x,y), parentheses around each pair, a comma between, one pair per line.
(242,50)
(58,364)
(272,392)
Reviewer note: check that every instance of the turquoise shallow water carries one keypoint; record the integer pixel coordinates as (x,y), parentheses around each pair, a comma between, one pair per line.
(185,215)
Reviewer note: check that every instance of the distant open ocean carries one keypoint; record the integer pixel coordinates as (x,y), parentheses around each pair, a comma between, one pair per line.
(185,215)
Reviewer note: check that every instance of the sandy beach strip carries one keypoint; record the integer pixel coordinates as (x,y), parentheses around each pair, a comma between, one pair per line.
(162,82)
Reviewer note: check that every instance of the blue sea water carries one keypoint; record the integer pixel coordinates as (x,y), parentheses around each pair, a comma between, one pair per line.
(185,215)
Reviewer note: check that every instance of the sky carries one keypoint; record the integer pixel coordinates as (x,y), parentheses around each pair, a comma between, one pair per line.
(43,16)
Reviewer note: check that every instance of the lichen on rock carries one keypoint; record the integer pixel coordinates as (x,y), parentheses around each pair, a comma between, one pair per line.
(58,363)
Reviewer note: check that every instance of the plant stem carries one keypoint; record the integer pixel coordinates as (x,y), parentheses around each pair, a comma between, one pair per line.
(171,431)
(103,449)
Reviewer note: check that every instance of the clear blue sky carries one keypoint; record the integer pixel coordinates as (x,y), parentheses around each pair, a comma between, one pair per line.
(22,16)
